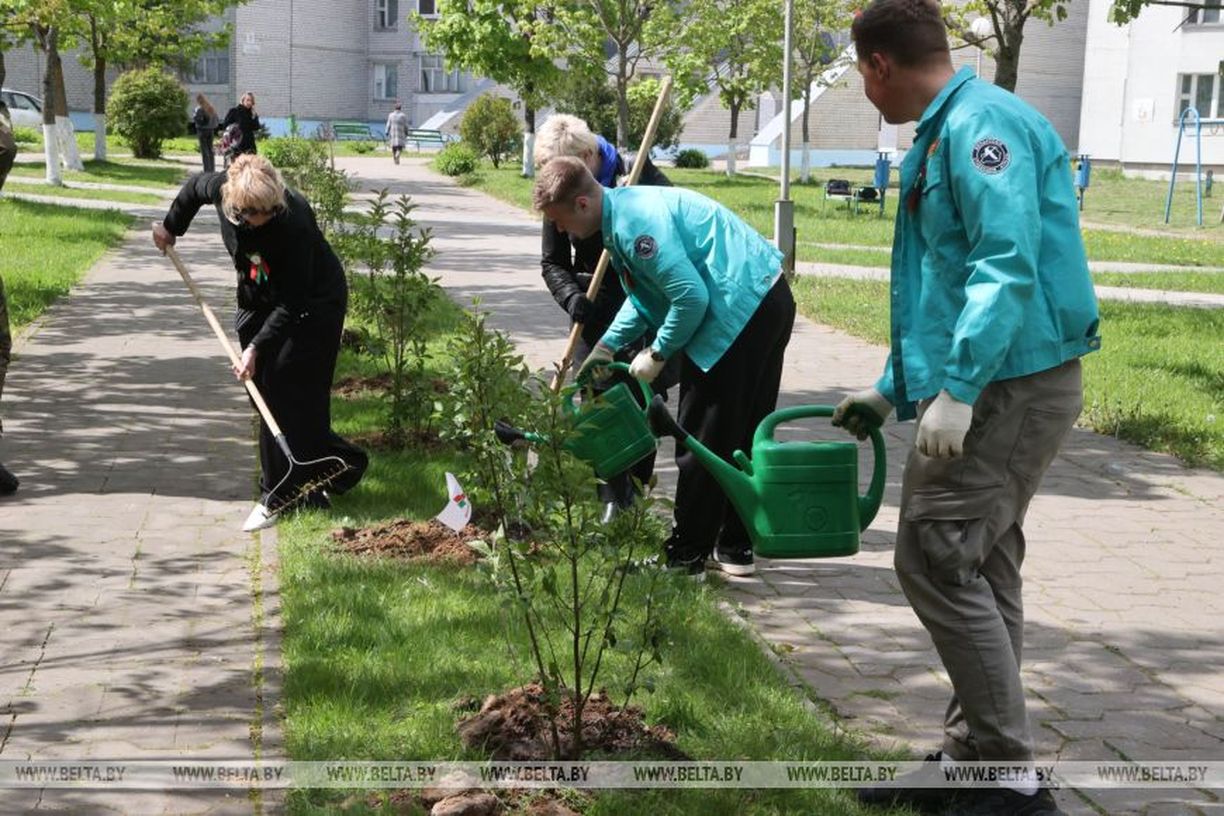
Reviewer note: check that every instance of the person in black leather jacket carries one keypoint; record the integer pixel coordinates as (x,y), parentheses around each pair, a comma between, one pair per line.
(292,297)
(569,263)
(243,114)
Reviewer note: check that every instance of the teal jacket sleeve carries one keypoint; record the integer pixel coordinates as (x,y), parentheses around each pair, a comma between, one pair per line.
(688,298)
(994,181)
(885,385)
(627,326)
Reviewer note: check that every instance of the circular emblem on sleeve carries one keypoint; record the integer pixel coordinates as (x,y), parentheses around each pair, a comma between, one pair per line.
(645,247)
(991,156)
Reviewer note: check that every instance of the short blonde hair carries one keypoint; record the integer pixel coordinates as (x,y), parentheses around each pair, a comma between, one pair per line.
(562,180)
(252,183)
(563,135)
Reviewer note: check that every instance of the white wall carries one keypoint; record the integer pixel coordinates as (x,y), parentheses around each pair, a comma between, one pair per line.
(1131,92)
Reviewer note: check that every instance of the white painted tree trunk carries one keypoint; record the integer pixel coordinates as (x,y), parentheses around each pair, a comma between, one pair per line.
(100,136)
(70,155)
(51,155)
(731,148)
(528,150)
(805,163)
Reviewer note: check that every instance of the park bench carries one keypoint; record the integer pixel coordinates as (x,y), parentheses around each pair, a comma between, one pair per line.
(429,138)
(352,131)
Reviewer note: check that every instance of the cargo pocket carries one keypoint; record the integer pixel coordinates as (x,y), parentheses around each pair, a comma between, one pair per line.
(1041,434)
(952,530)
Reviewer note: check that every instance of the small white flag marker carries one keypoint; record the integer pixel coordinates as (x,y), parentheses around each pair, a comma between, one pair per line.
(458,510)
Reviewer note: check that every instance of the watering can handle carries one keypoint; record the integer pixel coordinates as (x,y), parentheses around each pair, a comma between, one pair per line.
(869,504)
(647,394)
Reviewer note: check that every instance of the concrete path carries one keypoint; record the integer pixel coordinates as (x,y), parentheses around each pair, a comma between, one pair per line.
(1125,657)
(128,628)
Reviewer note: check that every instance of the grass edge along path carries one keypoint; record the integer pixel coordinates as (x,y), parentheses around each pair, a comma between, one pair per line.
(376,652)
(1158,380)
(47,248)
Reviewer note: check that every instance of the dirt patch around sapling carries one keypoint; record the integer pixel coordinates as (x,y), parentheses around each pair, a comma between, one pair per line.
(429,541)
(380,440)
(515,726)
(352,387)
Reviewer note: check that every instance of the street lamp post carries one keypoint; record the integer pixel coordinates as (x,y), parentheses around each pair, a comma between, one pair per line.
(784,208)
(981,29)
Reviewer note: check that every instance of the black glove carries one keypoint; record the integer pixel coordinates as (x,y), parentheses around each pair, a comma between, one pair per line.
(579,308)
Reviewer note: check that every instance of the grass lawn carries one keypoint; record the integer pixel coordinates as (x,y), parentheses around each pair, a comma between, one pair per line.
(82,192)
(1158,380)
(1210,282)
(377,651)
(821,222)
(46,248)
(115,171)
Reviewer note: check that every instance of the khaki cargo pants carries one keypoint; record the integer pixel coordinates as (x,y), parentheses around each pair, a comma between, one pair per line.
(960,547)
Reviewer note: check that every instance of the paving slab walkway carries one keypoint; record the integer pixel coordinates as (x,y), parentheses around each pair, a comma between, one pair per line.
(127,624)
(1125,656)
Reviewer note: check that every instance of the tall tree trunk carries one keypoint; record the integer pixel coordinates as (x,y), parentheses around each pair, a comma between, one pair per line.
(805,164)
(622,98)
(70,156)
(1007,57)
(99,75)
(47,39)
(529,121)
(732,147)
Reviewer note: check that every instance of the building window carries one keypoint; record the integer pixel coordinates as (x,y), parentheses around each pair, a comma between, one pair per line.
(386,15)
(386,81)
(427,8)
(211,68)
(1202,91)
(1210,13)
(436,79)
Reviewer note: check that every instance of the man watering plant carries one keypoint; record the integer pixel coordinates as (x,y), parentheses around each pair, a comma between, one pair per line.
(569,263)
(712,289)
(992,307)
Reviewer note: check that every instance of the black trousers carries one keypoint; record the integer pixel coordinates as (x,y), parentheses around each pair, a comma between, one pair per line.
(206,151)
(295,378)
(722,407)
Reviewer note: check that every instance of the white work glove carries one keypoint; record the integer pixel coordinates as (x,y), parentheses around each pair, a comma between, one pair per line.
(595,363)
(862,411)
(646,366)
(941,433)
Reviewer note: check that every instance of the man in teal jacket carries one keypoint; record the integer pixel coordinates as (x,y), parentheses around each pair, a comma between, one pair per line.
(992,307)
(712,289)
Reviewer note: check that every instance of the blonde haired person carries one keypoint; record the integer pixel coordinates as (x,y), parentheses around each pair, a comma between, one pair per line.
(569,262)
(243,115)
(292,297)
(206,124)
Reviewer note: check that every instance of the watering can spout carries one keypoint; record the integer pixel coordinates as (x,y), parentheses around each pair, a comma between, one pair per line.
(736,483)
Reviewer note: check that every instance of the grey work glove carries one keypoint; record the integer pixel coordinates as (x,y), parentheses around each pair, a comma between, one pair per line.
(861,412)
(596,363)
(942,431)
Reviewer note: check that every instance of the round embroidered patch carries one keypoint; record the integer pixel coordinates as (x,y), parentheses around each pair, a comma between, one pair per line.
(991,156)
(645,247)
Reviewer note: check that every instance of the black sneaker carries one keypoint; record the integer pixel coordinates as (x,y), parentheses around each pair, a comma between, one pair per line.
(910,789)
(692,568)
(738,562)
(1006,802)
(8,482)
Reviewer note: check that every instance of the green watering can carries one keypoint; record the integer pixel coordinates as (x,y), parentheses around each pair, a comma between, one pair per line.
(796,499)
(611,432)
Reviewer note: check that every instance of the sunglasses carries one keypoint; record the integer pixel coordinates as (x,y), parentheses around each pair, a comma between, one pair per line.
(245,214)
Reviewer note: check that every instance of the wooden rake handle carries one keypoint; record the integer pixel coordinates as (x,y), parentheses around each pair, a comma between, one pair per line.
(604,258)
(256,397)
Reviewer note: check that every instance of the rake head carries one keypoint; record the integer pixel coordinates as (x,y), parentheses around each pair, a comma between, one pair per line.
(306,477)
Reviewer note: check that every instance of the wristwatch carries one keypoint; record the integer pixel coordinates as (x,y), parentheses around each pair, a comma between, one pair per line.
(656,356)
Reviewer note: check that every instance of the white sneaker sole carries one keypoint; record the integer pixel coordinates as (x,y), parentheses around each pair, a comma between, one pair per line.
(738,570)
(259,519)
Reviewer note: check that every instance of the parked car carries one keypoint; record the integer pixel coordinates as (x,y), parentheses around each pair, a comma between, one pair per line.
(26,110)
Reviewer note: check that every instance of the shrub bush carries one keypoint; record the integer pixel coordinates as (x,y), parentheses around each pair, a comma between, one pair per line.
(457,159)
(692,158)
(491,128)
(147,107)
(25,135)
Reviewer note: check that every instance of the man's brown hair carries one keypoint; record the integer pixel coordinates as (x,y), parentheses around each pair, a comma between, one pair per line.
(911,32)
(560,181)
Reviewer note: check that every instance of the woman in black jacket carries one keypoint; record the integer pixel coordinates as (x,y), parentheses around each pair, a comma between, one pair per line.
(292,296)
(243,115)
(569,263)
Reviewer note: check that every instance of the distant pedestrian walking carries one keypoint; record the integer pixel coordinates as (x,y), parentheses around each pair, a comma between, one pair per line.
(397,131)
(243,115)
(8,152)
(206,124)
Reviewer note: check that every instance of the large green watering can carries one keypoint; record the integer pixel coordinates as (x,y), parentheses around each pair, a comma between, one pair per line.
(611,432)
(796,499)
